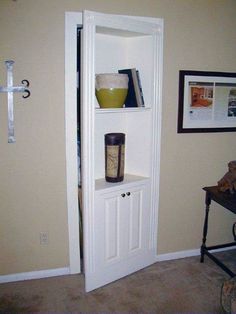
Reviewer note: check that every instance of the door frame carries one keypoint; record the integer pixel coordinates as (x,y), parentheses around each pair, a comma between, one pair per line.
(72,21)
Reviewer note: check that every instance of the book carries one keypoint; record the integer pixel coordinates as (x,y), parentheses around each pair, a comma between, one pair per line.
(135,94)
(140,89)
(136,87)
(131,99)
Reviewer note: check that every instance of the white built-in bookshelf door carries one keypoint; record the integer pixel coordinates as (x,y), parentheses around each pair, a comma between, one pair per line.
(120,220)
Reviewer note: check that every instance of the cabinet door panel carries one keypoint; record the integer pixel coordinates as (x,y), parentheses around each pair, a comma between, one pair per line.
(135,217)
(112,232)
(121,231)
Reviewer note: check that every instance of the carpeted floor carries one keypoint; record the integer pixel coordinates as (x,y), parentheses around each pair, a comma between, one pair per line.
(178,286)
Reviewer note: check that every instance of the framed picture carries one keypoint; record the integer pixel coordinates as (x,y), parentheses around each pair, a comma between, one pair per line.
(207,102)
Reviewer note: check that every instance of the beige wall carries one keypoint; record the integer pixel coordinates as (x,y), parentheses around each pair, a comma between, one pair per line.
(199,35)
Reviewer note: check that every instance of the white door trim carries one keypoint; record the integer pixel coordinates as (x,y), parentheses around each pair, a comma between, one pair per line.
(72,20)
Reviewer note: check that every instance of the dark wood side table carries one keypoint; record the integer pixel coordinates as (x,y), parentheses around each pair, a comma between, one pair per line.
(228,201)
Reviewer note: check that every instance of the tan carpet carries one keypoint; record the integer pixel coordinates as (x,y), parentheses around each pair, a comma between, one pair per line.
(179,286)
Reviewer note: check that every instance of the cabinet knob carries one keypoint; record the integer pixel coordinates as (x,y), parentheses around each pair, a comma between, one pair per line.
(123,194)
(128,193)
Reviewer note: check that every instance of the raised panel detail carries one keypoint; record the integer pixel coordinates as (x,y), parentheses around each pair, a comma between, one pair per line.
(135,221)
(111,229)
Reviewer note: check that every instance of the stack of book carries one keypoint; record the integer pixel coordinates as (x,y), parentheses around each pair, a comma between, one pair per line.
(135,94)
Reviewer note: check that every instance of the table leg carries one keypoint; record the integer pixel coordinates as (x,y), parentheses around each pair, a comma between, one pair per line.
(205,227)
(234,231)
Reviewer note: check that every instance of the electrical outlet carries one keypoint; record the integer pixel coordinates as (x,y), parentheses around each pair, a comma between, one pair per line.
(43,238)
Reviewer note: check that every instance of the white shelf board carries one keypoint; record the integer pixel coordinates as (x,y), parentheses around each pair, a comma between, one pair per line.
(121,110)
(102,184)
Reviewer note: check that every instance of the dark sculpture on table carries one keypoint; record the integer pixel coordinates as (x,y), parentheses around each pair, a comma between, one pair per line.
(228,182)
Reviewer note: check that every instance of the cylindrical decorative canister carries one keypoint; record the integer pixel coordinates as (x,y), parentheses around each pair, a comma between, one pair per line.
(114,156)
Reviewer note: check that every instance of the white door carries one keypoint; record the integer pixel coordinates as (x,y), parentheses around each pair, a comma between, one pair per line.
(119,232)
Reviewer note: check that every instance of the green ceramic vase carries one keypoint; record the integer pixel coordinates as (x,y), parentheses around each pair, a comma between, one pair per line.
(111,97)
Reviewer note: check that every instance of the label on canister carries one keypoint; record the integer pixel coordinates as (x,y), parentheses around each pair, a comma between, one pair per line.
(114,164)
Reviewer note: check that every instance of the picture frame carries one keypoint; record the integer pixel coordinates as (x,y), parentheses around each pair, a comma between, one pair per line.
(207,102)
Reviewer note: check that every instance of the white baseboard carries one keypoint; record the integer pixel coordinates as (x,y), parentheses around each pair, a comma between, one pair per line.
(35,275)
(177,255)
(188,253)
(66,270)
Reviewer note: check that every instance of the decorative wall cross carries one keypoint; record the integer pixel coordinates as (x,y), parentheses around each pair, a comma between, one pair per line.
(10,89)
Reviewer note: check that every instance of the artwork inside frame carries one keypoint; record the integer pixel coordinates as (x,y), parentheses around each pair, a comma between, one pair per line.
(207,102)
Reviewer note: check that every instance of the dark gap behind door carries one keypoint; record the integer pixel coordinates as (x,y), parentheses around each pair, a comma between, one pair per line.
(79,141)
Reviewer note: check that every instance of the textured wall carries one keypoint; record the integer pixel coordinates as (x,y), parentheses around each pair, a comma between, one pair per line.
(199,35)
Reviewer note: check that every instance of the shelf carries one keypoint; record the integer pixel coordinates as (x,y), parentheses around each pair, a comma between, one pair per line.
(121,110)
(102,184)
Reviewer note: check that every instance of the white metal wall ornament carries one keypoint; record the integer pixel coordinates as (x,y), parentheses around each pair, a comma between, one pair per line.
(10,89)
